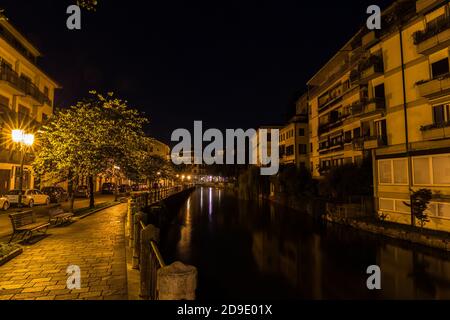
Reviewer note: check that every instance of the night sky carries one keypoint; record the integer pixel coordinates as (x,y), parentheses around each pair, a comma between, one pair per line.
(232,64)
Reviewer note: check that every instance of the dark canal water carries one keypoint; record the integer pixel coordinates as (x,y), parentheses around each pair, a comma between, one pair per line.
(251,250)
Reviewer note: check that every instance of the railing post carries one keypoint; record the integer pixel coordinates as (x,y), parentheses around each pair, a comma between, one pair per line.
(148,234)
(137,240)
(177,282)
(146,199)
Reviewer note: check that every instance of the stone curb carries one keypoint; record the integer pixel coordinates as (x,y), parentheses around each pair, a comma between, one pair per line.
(96,210)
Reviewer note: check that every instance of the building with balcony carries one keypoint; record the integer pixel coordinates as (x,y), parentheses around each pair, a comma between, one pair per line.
(294,137)
(255,142)
(159,149)
(386,96)
(26,100)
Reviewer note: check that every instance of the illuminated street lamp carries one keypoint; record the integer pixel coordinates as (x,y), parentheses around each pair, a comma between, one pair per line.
(116,174)
(24,140)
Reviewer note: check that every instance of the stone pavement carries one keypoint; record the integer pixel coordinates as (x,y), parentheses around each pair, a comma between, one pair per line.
(96,244)
(41,211)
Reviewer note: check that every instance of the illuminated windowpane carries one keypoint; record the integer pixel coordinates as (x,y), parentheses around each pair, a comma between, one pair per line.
(421,171)
(401,207)
(443,210)
(431,210)
(387,204)
(385,171)
(400,171)
(441,170)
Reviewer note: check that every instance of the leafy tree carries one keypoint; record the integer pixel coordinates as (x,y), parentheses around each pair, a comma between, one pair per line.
(296,182)
(89,5)
(340,183)
(150,167)
(420,200)
(87,139)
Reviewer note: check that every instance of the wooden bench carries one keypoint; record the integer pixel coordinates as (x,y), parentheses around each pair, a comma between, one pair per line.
(58,215)
(25,223)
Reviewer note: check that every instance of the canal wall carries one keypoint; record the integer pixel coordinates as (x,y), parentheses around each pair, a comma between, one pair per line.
(161,213)
(437,240)
(148,276)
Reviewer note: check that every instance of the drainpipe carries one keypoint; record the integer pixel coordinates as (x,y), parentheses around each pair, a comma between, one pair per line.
(405,112)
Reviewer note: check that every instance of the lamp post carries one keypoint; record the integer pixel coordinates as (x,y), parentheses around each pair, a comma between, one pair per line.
(116,187)
(24,140)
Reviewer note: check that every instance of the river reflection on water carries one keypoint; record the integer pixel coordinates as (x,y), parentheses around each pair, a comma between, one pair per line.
(260,250)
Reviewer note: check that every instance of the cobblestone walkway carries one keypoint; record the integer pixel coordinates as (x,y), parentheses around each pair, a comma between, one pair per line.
(96,244)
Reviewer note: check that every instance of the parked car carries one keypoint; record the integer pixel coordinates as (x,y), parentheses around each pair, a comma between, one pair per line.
(4,203)
(30,197)
(81,192)
(135,187)
(56,194)
(108,188)
(124,188)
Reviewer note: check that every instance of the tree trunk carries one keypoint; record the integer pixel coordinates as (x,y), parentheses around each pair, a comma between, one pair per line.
(70,189)
(91,192)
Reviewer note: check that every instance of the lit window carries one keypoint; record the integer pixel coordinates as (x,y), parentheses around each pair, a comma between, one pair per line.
(441,114)
(400,206)
(433,170)
(386,204)
(441,169)
(385,171)
(421,169)
(443,210)
(400,171)
(431,210)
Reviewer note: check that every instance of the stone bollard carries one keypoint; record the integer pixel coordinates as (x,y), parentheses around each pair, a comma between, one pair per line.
(177,282)
(149,233)
(129,215)
(132,209)
(137,239)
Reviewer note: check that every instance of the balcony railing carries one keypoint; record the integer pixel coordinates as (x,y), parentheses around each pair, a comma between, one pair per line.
(436,131)
(16,44)
(434,87)
(26,87)
(330,145)
(371,68)
(373,142)
(358,144)
(350,63)
(435,126)
(434,37)
(426,5)
(374,105)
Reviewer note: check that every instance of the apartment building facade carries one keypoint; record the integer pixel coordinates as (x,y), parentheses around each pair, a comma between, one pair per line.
(26,100)
(294,137)
(255,142)
(386,96)
(159,149)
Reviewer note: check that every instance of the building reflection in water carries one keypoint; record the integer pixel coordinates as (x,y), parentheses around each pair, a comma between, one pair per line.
(201,199)
(210,205)
(317,267)
(184,242)
(283,253)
